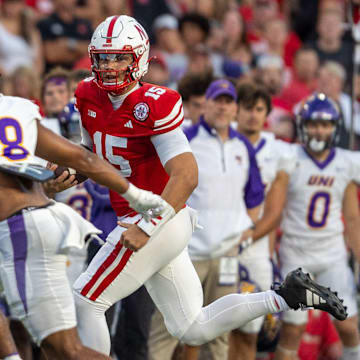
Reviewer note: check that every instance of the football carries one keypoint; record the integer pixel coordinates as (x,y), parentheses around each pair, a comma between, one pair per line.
(79,177)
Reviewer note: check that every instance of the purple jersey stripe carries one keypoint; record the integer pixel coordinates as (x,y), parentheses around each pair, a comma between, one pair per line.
(19,244)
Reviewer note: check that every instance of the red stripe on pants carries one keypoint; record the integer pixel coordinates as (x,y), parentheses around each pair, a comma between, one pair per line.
(109,279)
(109,260)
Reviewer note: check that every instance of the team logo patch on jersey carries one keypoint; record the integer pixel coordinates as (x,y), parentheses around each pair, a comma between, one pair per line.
(141,111)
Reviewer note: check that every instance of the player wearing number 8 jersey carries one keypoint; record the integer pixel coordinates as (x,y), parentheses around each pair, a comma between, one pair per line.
(37,233)
(315,190)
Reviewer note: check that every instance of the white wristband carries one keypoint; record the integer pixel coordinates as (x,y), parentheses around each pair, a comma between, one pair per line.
(131,194)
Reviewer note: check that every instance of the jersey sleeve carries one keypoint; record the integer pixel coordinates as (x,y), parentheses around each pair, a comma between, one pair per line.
(86,139)
(33,110)
(286,157)
(166,112)
(170,144)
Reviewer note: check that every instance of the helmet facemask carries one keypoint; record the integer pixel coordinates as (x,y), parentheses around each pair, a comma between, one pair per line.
(315,145)
(114,78)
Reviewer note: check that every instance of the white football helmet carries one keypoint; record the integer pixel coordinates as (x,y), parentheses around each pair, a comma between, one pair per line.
(120,35)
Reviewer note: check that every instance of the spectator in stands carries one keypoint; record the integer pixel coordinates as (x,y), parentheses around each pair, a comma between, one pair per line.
(194,30)
(331,82)
(55,94)
(262,12)
(25,83)
(276,35)
(65,36)
(200,60)
(170,45)
(192,88)
(147,11)
(304,78)
(158,72)
(235,45)
(329,45)
(20,41)
(271,73)
(76,76)
(303,16)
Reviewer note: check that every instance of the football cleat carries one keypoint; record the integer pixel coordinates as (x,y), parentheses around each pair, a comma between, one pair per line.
(300,291)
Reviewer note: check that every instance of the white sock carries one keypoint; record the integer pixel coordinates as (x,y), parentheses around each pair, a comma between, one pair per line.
(14,356)
(231,312)
(351,353)
(92,327)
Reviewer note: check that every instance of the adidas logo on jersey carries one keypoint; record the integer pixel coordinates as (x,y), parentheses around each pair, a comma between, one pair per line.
(129,124)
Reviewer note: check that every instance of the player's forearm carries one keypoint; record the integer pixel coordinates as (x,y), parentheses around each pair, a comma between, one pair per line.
(60,151)
(183,180)
(101,172)
(274,204)
(353,237)
(266,224)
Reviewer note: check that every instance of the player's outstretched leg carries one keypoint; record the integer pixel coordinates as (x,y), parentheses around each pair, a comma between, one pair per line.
(235,310)
(300,291)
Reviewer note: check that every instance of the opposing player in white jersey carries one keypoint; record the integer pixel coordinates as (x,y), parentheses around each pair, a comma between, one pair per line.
(35,232)
(254,104)
(315,193)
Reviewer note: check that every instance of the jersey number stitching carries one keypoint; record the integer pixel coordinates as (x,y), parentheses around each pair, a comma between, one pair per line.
(155,92)
(313,219)
(11,138)
(112,142)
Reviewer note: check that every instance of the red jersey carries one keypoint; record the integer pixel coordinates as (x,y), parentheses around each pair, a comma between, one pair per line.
(123,136)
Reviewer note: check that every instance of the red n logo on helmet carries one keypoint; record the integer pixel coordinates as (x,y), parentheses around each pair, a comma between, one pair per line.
(141,32)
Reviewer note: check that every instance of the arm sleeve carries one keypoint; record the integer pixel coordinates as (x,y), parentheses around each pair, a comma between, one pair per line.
(286,157)
(85,138)
(170,144)
(254,189)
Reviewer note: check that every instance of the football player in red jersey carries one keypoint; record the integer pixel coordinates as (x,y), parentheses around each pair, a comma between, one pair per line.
(136,127)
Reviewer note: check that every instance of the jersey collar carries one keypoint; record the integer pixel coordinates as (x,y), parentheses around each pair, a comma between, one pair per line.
(259,145)
(232,133)
(321,164)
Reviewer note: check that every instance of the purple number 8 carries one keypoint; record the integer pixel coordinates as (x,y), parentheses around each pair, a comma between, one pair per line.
(80,203)
(12,144)
(318,223)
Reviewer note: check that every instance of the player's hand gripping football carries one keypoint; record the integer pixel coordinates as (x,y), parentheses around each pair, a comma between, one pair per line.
(63,180)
